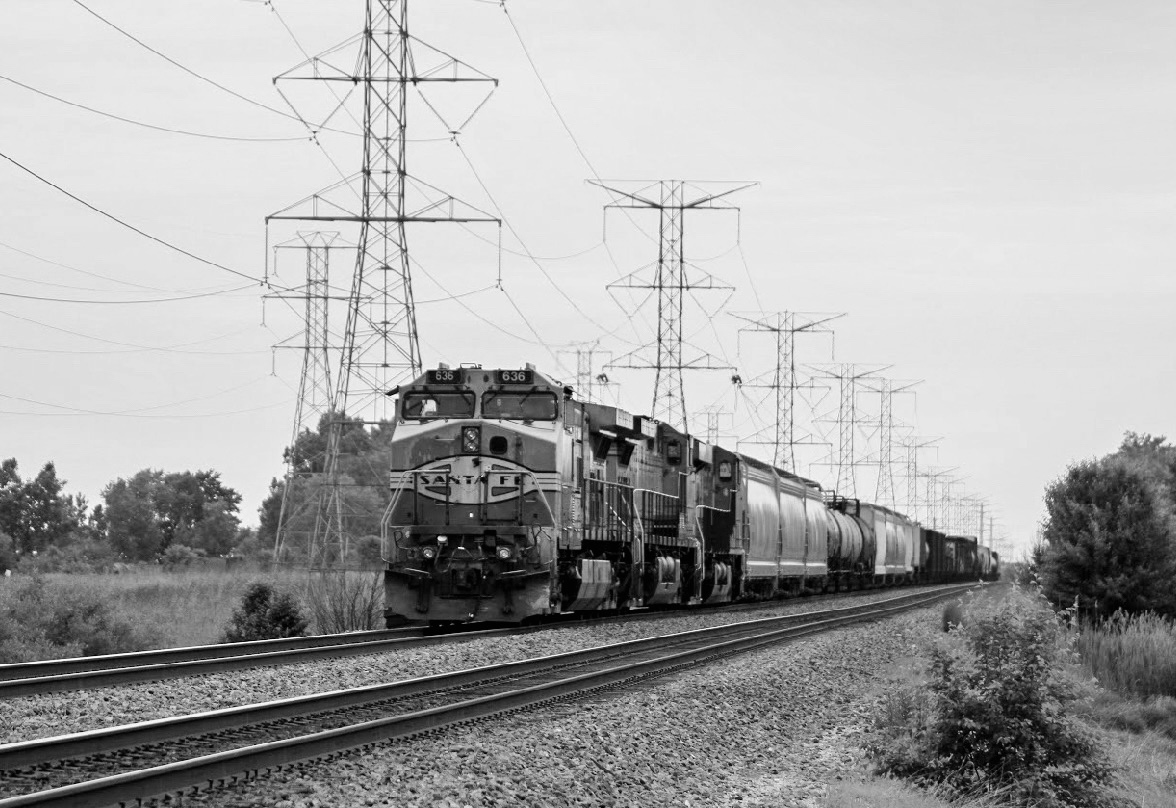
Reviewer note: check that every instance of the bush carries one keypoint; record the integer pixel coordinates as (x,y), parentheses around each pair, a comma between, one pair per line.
(993,717)
(42,620)
(265,614)
(346,601)
(179,555)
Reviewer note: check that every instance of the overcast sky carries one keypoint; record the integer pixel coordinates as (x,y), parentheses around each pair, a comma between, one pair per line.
(987,189)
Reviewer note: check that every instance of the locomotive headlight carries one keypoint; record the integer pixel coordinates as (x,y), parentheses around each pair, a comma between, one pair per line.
(429,552)
(471,438)
(504,552)
(442,539)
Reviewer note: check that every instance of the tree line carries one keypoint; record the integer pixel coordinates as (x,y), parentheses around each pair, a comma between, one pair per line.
(156,515)
(1109,535)
(140,518)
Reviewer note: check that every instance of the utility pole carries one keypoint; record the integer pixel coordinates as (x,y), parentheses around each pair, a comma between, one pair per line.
(783,381)
(671,279)
(380,346)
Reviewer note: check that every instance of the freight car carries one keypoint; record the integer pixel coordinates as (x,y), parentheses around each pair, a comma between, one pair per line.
(510,499)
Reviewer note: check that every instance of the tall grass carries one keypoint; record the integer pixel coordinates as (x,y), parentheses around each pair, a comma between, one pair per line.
(165,608)
(1134,655)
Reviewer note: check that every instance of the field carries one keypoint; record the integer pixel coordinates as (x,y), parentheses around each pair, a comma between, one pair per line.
(56,615)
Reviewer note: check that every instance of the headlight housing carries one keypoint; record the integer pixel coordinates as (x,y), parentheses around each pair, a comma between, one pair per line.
(505,552)
(428,552)
(471,439)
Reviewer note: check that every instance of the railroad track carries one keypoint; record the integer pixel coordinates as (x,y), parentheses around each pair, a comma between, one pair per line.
(179,755)
(84,673)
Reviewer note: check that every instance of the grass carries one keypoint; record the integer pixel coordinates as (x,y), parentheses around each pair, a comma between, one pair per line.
(887,792)
(1132,655)
(166,609)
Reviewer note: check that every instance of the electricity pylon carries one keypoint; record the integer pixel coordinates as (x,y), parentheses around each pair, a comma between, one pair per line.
(380,346)
(589,384)
(783,380)
(671,278)
(848,418)
(887,389)
(315,386)
(910,445)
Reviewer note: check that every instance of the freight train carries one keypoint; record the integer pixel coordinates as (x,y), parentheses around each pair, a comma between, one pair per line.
(510,499)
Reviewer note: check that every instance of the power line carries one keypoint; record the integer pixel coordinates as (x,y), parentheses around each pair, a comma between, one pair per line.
(136,411)
(145,125)
(186,69)
(127,225)
(133,346)
(44,260)
(125,302)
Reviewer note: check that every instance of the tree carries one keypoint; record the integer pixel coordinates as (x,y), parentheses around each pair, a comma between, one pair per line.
(133,525)
(1109,529)
(152,510)
(36,514)
(364,458)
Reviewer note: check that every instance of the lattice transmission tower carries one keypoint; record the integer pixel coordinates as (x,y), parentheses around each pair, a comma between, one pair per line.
(847,420)
(316,396)
(375,70)
(590,385)
(910,445)
(887,389)
(670,279)
(783,381)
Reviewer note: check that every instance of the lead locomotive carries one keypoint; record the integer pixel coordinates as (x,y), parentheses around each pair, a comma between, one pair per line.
(511,499)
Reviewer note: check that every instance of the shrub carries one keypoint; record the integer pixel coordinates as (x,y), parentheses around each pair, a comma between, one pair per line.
(179,555)
(265,614)
(346,601)
(992,717)
(43,620)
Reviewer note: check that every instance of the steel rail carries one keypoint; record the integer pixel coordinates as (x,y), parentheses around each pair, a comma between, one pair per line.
(169,656)
(83,673)
(166,778)
(44,750)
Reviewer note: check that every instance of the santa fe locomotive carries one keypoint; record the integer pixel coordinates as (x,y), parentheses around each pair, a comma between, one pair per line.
(510,499)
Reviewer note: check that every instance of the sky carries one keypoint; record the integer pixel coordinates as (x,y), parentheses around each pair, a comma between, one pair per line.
(987,190)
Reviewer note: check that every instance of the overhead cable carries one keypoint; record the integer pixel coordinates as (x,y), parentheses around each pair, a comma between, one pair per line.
(186,69)
(125,302)
(131,227)
(145,125)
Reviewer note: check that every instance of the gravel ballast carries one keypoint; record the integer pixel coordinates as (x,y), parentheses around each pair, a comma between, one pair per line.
(768,728)
(34,717)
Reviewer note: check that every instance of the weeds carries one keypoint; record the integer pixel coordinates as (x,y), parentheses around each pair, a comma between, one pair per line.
(346,601)
(1134,655)
(992,719)
(43,619)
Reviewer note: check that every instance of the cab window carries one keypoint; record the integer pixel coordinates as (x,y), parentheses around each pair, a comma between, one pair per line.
(438,405)
(519,406)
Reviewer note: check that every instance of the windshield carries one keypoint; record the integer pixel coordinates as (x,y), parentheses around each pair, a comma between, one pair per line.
(521,406)
(438,405)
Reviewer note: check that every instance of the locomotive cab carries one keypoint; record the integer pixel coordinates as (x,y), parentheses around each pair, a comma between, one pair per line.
(474,488)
